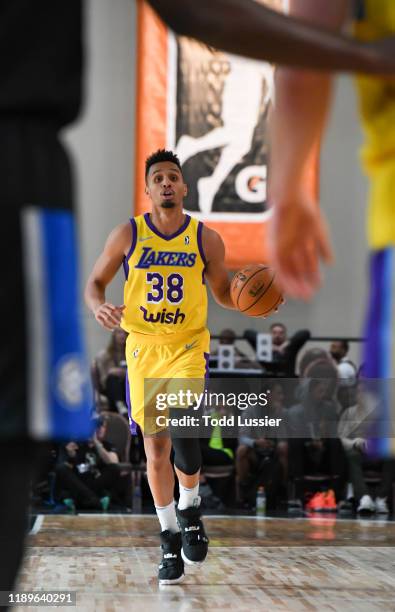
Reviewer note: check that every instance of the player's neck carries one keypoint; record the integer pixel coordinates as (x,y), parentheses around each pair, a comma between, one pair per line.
(167,221)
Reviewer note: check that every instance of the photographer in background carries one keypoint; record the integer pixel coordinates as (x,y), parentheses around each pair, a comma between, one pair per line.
(87,474)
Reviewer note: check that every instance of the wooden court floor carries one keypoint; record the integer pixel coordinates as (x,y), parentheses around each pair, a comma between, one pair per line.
(253,564)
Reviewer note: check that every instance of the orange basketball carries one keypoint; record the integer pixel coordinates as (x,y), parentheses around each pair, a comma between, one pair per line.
(254,293)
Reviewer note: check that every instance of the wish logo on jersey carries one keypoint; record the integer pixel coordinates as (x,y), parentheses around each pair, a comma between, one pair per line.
(149,258)
(169,318)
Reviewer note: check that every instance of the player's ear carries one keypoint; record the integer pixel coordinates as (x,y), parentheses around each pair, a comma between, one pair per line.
(146,190)
(185,190)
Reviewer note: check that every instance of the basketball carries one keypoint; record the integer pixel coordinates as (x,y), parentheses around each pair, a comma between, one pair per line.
(254,292)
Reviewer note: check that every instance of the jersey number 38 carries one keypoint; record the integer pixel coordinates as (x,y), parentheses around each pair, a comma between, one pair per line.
(173,285)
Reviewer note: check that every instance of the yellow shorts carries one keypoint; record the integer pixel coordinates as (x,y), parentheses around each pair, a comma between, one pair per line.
(162,365)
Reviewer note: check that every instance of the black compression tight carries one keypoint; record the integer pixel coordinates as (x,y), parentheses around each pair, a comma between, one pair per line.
(187,455)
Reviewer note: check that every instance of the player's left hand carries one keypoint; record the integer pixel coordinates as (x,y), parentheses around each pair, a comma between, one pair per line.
(298,240)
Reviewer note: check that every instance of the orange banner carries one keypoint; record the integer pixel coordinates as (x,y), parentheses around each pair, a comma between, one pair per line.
(210,108)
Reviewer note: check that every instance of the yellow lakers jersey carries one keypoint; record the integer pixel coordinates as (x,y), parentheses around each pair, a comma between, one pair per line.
(376,19)
(165,290)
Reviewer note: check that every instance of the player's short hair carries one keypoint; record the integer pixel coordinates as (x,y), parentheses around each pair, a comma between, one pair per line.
(161,155)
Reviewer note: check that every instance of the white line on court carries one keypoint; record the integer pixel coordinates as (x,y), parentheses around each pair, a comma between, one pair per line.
(319,516)
(37,525)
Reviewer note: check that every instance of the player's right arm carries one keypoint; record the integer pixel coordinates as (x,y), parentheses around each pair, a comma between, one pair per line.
(116,247)
(246,27)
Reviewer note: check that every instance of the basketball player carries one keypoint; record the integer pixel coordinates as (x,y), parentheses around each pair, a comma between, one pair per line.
(167,256)
(293,206)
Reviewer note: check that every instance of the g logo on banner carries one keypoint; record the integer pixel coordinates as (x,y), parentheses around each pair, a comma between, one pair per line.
(250,184)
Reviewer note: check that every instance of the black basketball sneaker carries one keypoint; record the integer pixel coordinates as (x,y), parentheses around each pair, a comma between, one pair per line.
(194,538)
(171,568)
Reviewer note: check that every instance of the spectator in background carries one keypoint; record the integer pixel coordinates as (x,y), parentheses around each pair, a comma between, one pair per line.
(353,429)
(318,356)
(347,373)
(311,356)
(354,426)
(347,370)
(314,446)
(110,372)
(87,473)
(285,350)
(262,454)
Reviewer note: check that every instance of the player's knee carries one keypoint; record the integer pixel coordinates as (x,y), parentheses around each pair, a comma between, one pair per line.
(186,466)
(187,456)
(157,452)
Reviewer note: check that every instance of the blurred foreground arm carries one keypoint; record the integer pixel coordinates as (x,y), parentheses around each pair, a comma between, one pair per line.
(248,28)
(298,237)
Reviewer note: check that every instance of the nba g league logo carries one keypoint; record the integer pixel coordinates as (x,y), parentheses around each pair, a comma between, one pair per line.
(71,381)
(220,133)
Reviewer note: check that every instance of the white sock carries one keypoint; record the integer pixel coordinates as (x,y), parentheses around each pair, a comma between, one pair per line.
(189,497)
(167,517)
